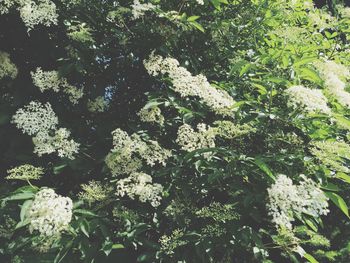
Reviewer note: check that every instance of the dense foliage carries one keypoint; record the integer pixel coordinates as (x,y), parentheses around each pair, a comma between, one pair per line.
(174,131)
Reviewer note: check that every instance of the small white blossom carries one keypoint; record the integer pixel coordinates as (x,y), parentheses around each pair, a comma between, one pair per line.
(99,104)
(129,151)
(190,86)
(310,100)
(38,12)
(50,80)
(333,75)
(7,68)
(139,185)
(152,115)
(60,143)
(35,117)
(287,200)
(190,140)
(50,213)
(25,172)
(139,9)
(41,121)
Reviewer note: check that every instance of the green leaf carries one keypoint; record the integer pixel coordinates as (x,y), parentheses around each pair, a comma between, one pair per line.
(339,202)
(303,61)
(85,212)
(244,69)
(20,196)
(343,177)
(310,258)
(118,246)
(26,205)
(310,74)
(197,25)
(263,166)
(192,18)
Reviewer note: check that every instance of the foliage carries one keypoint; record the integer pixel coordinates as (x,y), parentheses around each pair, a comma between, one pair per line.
(194,131)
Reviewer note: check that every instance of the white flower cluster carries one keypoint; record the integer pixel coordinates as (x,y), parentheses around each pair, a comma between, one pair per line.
(333,75)
(99,104)
(152,115)
(50,213)
(310,100)
(287,200)
(59,142)
(187,85)
(200,2)
(140,185)
(40,120)
(25,172)
(7,68)
(32,12)
(50,80)
(129,151)
(190,140)
(35,117)
(139,9)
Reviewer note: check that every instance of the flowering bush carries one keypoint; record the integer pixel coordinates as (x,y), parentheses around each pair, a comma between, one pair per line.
(174,131)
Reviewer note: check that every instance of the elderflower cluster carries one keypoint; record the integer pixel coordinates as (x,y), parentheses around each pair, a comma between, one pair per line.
(99,104)
(94,191)
(41,121)
(59,142)
(230,130)
(25,172)
(152,115)
(140,185)
(332,154)
(190,86)
(7,68)
(129,151)
(333,75)
(287,200)
(50,213)
(190,140)
(140,9)
(32,12)
(35,117)
(309,100)
(168,243)
(50,80)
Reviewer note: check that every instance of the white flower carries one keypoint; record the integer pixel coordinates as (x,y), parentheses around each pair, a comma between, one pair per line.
(7,68)
(139,10)
(139,185)
(50,80)
(200,2)
(46,144)
(129,151)
(40,120)
(333,75)
(35,117)
(287,200)
(310,100)
(50,213)
(190,140)
(25,172)
(190,86)
(38,12)
(99,104)
(152,115)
